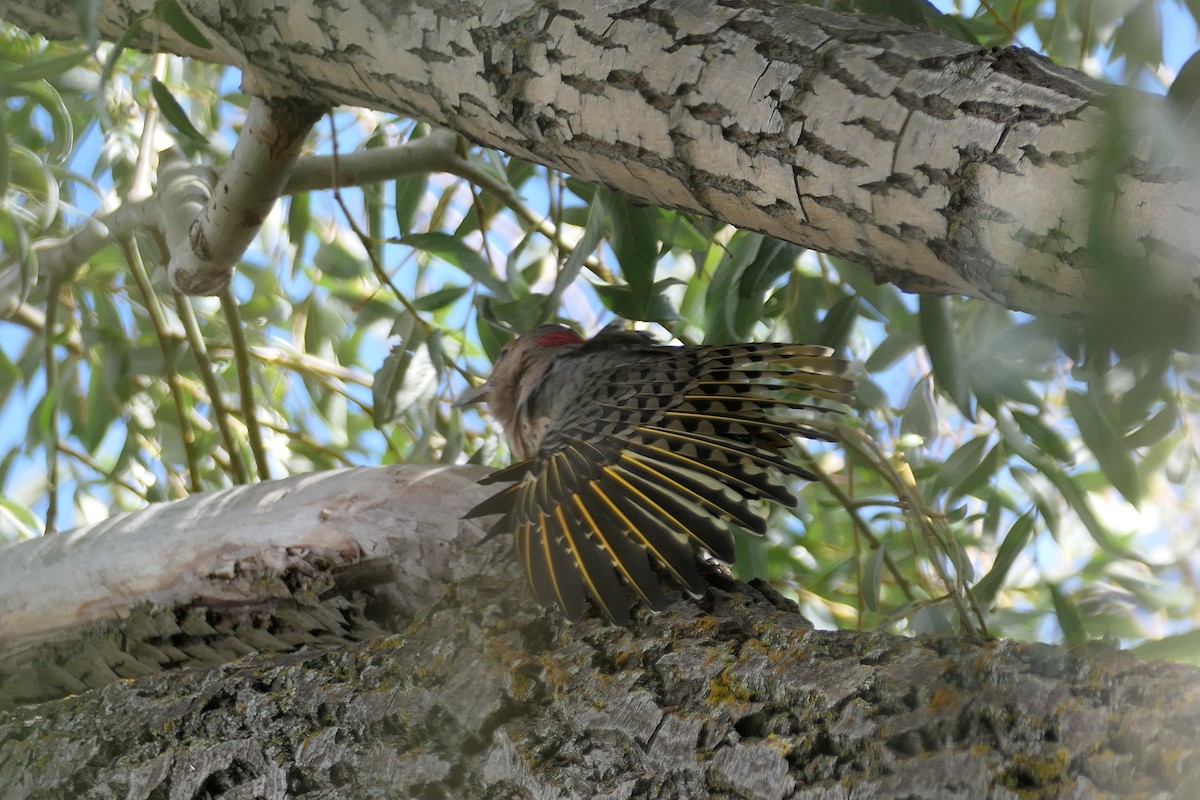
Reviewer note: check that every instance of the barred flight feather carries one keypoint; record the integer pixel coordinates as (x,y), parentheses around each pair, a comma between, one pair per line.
(634,455)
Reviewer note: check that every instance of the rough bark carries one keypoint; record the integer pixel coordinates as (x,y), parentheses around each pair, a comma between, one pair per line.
(943,167)
(482,695)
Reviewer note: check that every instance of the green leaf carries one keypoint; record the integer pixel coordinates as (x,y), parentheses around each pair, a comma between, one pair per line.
(750,556)
(1180,647)
(992,378)
(982,474)
(1068,616)
(920,14)
(1155,430)
(521,314)
(406,379)
(623,302)
(1014,543)
(634,239)
(373,209)
(85,13)
(774,259)
(870,394)
(439,299)
(931,620)
(493,335)
(10,376)
(1095,417)
(5,157)
(16,253)
(1077,499)
(43,68)
(27,524)
(593,233)
(1149,386)
(335,260)
(119,47)
(726,320)
(30,175)
(911,12)
(1179,462)
(920,412)
(518,171)
(406,198)
(101,411)
(679,230)
(896,346)
(746,269)
(838,323)
(961,463)
(1139,38)
(173,112)
(170,12)
(457,253)
(1043,436)
(299,220)
(59,146)
(941,340)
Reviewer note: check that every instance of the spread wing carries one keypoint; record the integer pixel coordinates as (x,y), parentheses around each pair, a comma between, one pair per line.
(652,453)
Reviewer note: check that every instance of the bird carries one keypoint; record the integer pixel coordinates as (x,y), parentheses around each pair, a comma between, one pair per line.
(634,457)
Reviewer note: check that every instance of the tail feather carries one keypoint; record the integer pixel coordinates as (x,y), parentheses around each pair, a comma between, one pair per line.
(595,563)
(630,560)
(692,520)
(667,545)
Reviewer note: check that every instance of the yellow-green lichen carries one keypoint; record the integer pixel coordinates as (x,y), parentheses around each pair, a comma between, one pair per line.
(1035,776)
(723,690)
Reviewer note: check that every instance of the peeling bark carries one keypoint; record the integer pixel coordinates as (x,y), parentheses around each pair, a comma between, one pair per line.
(943,167)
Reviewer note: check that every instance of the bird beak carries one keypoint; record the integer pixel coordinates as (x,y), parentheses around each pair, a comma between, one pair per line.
(477,395)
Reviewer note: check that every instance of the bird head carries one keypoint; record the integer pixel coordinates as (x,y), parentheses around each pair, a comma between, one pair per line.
(518,371)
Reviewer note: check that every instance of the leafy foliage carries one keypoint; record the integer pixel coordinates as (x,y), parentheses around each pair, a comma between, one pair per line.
(1022,471)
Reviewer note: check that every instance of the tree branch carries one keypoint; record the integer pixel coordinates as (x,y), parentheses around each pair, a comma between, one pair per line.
(483,695)
(205,247)
(941,166)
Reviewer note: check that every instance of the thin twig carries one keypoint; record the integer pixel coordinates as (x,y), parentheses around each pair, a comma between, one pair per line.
(305,441)
(867,450)
(241,361)
(860,524)
(53,393)
(109,475)
(158,320)
(191,329)
(999,20)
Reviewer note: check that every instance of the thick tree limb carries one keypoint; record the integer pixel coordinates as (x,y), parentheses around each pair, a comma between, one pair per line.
(944,167)
(247,555)
(482,695)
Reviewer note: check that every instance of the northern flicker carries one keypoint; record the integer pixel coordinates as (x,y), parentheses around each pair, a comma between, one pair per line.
(632,452)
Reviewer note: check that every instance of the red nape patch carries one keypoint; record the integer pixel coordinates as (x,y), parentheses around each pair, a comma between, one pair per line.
(559,338)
